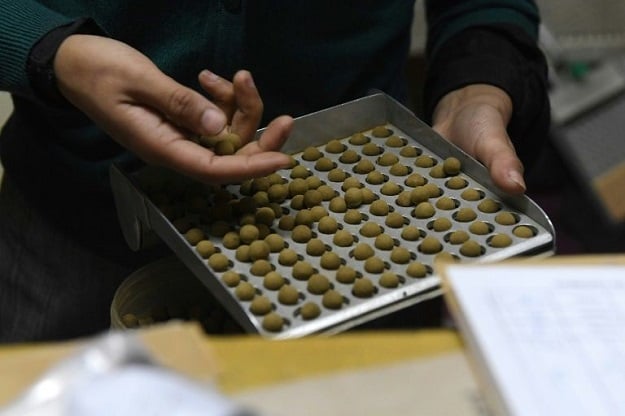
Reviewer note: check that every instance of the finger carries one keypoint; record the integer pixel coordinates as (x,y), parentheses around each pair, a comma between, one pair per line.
(273,138)
(202,164)
(160,143)
(249,105)
(181,105)
(499,156)
(221,91)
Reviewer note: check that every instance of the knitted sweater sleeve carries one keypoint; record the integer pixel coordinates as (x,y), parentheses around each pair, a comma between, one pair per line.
(22,24)
(492,42)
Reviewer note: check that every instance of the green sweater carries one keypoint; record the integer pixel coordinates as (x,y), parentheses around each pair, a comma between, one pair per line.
(304,55)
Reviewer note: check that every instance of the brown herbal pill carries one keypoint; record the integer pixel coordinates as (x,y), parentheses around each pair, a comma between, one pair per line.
(395,141)
(452,166)
(318,212)
(275,242)
(260,305)
(379,207)
(324,164)
(343,238)
(523,231)
(399,170)
(301,234)
(370,229)
(311,154)
(416,269)
(231,240)
(352,216)
(381,131)
(390,188)
(489,206)
(400,255)
(384,242)
(194,236)
(286,223)
(363,288)
(327,193)
(287,257)
(458,237)
(310,310)
(389,280)
(465,215)
(288,295)
(332,299)
(302,270)
(506,218)
(446,203)
(358,139)
(346,274)
(456,182)
(243,253)
(337,175)
(334,146)
(437,171)
(410,151)
(471,248)
(371,149)
(259,250)
(471,195)
(205,248)
(424,161)
(338,204)
(327,225)
(364,166)
(387,159)
(411,233)
(375,177)
(315,247)
(424,210)
(479,228)
(261,267)
(300,171)
(500,240)
(349,156)
(245,291)
(318,284)
(248,233)
(394,220)
(218,262)
(441,224)
(273,322)
(363,251)
(374,265)
(231,278)
(273,280)
(430,245)
(330,260)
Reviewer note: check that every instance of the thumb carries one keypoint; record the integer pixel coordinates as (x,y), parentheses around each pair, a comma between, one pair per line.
(183,106)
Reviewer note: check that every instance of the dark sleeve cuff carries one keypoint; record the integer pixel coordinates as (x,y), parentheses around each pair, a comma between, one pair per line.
(40,64)
(503,56)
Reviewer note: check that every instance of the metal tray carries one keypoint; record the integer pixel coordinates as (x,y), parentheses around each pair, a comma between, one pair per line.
(144,223)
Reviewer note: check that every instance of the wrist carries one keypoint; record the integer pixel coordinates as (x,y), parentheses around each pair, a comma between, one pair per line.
(40,64)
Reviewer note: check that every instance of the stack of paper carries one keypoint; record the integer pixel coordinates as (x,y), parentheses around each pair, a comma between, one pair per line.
(545,338)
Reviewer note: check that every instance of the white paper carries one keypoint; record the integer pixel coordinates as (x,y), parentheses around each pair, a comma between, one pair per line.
(553,337)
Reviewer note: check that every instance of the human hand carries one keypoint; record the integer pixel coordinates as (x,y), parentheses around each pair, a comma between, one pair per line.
(152,115)
(475,119)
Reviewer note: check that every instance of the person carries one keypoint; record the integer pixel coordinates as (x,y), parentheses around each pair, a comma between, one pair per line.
(96,83)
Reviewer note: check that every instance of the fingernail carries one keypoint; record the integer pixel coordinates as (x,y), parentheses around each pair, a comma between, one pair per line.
(517,178)
(213,121)
(209,76)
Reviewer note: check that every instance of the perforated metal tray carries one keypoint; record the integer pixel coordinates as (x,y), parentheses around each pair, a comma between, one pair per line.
(141,217)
